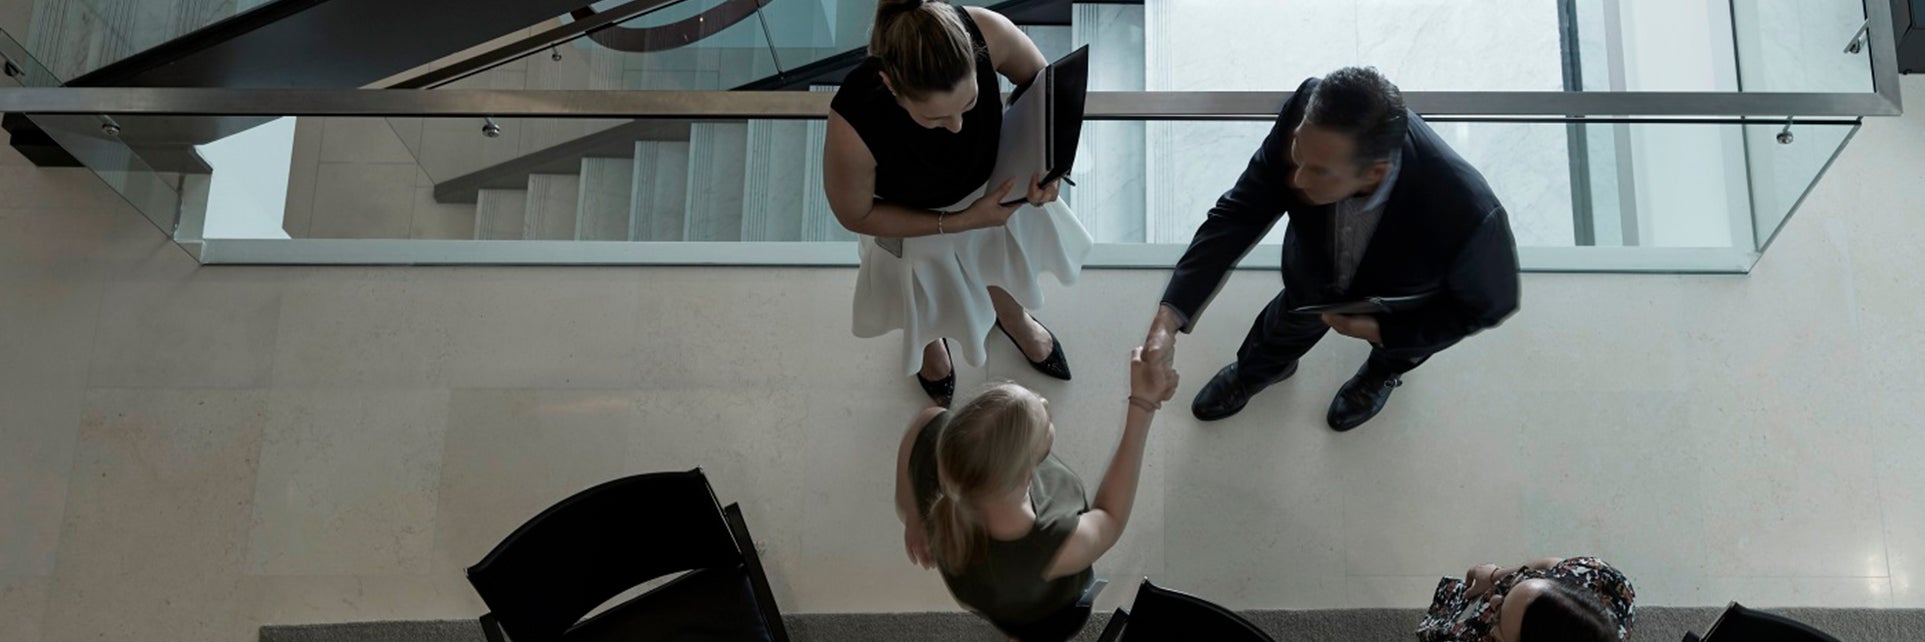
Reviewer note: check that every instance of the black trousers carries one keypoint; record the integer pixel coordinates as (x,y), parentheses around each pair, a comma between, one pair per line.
(1278,338)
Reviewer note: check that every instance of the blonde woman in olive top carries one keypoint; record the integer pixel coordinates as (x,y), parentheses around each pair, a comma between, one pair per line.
(984,501)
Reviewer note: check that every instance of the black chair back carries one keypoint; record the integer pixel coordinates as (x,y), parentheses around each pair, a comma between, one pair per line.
(1113,630)
(597,544)
(1163,614)
(1740,624)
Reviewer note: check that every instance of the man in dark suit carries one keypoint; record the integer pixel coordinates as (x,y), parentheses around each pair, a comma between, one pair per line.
(1379,207)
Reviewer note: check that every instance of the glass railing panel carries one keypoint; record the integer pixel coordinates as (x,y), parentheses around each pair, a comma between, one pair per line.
(1704,194)
(716,57)
(1718,186)
(683,45)
(1514,45)
(73,37)
(451,149)
(1801,46)
(1527,164)
(726,181)
(24,68)
(98,144)
(1785,164)
(850,21)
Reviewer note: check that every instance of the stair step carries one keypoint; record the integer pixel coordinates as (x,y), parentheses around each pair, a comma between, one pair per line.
(500,214)
(660,204)
(552,200)
(774,189)
(717,169)
(606,200)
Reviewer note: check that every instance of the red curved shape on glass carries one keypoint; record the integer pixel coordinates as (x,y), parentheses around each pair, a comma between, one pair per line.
(675,34)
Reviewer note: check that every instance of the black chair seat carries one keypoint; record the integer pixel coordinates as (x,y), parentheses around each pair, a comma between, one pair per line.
(1162,614)
(708,605)
(1740,624)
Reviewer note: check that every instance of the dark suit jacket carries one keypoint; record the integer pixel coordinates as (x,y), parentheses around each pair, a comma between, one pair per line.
(1442,230)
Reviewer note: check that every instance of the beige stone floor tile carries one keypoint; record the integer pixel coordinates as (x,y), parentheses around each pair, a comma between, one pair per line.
(23,602)
(348,482)
(39,427)
(156,531)
(511,454)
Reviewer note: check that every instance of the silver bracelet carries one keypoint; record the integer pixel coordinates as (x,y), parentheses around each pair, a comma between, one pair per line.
(939,216)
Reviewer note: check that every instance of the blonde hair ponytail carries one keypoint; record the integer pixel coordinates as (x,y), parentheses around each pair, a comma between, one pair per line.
(922,46)
(987,449)
(954,533)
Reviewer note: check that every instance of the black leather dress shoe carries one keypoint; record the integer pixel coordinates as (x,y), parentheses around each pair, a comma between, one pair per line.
(1227,393)
(1055,365)
(943,390)
(1361,398)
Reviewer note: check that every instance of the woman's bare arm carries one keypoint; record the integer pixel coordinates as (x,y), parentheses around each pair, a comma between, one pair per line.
(1014,54)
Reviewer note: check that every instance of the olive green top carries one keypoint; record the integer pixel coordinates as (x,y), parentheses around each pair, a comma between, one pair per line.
(1006,585)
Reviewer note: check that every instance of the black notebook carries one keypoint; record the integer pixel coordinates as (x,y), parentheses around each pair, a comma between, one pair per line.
(1042,125)
(1372,305)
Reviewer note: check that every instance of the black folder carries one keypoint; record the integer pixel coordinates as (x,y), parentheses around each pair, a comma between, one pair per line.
(1372,305)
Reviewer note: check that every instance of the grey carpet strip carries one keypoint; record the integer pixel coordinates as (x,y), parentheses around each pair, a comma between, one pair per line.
(1655,624)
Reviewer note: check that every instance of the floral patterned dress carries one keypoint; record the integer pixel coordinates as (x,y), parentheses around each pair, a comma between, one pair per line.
(1456,617)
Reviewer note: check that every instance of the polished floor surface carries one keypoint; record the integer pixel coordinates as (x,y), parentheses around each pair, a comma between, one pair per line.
(191,452)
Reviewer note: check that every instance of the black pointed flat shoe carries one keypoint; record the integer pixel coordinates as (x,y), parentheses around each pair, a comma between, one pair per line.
(1055,365)
(943,390)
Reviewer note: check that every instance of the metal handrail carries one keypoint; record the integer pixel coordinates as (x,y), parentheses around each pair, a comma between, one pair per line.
(778,105)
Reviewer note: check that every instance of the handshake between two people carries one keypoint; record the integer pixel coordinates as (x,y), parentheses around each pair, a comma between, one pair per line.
(1152,381)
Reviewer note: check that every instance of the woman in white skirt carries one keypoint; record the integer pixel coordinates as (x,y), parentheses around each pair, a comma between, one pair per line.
(911,143)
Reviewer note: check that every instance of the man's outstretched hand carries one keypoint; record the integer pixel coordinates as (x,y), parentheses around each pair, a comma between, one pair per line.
(1356,326)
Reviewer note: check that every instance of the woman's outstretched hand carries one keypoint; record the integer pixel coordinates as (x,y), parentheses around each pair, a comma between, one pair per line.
(1151,379)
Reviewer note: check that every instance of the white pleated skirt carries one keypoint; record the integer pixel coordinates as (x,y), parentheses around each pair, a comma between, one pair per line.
(939,287)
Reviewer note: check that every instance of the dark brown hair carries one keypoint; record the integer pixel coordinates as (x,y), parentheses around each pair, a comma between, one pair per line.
(1564,613)
(922,46)
(1363,105)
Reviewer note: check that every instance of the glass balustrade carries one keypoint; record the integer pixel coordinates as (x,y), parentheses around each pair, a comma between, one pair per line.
(1639,196)
(1665,191)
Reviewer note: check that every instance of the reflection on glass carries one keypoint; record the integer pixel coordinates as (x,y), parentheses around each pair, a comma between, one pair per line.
(715,57)
(354,178)
(1723,187)
(1800,46)
(1513,45)
(96,143)
(74,37)
(1638,185)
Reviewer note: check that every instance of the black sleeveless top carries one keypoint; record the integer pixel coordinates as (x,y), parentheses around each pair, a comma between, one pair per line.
(918,166)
